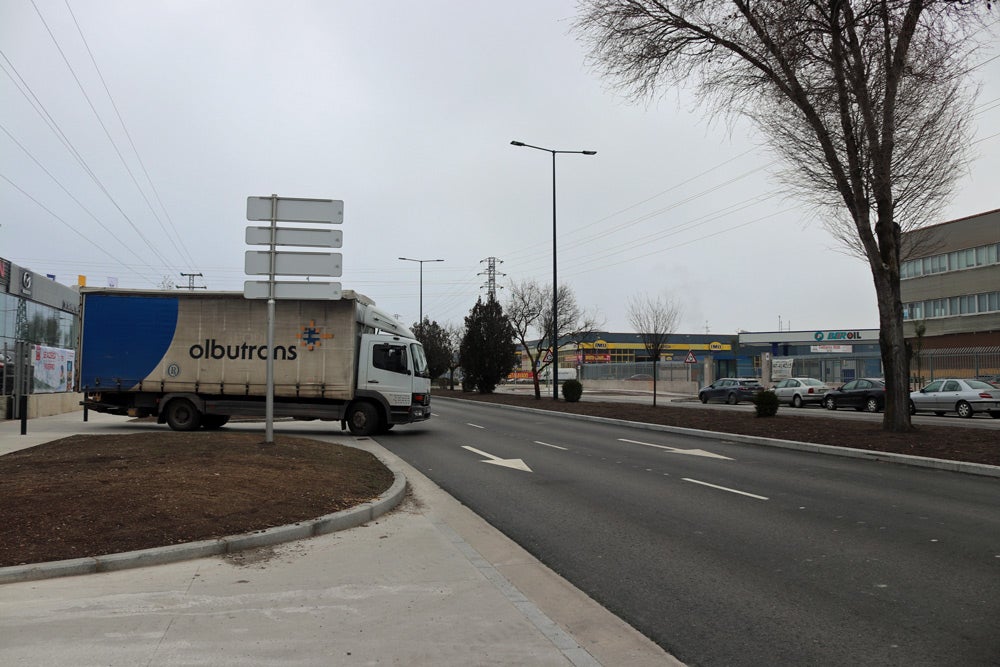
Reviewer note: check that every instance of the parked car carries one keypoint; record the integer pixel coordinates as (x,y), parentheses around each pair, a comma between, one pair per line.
(861,394)
(966,397)
(992,379)
(799,391)
(730,390)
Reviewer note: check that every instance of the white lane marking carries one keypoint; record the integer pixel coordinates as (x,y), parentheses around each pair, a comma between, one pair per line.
(516,464)
(723,488)
(674,450)
(474,425)
(539,442)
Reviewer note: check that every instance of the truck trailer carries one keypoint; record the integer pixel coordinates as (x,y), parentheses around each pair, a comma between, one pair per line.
(193,360)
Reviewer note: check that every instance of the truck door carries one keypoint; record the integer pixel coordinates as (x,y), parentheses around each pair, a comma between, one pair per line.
(389,372)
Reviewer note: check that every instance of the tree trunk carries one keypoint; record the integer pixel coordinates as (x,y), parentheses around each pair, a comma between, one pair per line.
(538,388)
(894,358)
(654,381)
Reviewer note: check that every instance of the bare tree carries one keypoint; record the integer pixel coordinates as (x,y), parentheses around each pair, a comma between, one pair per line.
(455,334)
(867,102)
(529,309)
(654,319)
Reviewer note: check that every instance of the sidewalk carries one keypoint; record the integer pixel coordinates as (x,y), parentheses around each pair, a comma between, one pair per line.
(427,584)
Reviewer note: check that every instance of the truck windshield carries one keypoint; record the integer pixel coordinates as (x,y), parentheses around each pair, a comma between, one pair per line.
(419,360)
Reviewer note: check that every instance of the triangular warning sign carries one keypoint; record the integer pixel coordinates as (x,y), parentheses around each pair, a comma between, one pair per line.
(690,358)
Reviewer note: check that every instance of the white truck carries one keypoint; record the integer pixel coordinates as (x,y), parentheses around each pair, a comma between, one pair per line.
(194,360)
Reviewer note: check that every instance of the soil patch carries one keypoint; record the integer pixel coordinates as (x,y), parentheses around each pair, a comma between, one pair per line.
(90,495)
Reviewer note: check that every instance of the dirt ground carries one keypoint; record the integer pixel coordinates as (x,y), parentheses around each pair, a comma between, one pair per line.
(93,495)
(90,495)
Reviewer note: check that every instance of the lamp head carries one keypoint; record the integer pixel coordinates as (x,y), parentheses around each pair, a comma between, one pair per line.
(589,152)
(517,143)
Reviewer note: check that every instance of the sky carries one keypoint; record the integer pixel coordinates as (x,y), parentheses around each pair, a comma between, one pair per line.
(132,133)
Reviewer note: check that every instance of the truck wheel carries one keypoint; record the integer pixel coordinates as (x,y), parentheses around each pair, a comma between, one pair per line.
(213,422)
(182,415)
(362,419)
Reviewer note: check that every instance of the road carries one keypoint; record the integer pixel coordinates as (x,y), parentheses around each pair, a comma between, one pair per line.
(728,554)
(979,420)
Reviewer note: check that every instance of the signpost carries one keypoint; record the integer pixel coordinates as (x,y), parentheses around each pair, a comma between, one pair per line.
(271,262)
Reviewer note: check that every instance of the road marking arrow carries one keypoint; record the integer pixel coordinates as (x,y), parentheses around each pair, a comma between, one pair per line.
(674,450)
(516,464)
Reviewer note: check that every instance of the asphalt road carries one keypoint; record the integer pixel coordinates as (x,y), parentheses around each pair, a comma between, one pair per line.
(728,554)
(979,420)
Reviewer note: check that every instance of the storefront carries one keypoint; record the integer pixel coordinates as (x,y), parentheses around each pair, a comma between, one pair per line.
(832,355)
(43,315)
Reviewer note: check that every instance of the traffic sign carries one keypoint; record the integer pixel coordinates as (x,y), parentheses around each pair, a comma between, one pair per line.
(291,209)
(258,263)
(258,289)
(690,358)
(298,236)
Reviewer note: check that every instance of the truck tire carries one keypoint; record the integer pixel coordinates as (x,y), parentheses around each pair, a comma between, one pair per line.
(362,418)
(182,415)
(213,422)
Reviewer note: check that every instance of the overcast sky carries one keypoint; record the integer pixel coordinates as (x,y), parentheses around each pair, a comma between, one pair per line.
(405,111)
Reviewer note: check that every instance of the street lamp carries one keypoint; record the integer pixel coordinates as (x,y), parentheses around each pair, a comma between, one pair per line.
(555,284)
(421,261)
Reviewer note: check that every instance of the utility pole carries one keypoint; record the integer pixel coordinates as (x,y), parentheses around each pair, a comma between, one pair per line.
(491,276)
(191,286)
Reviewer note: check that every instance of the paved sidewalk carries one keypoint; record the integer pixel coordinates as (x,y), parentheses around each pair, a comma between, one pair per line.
(427,584)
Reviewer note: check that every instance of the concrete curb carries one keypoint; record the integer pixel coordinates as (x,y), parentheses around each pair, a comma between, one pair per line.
(349,518)
(981,469)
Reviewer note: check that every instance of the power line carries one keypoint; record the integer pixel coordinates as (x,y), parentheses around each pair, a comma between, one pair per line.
(100,122)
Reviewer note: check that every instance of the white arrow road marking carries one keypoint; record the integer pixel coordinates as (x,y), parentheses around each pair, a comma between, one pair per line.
(674,450)
(516,464)
(722,488)
(539,442)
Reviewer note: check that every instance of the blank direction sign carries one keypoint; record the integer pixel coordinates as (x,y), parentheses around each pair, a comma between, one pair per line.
(290,209)
(297,236)
(258,263)
(258,289)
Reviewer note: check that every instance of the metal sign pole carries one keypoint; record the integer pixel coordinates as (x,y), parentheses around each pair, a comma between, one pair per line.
(269,400)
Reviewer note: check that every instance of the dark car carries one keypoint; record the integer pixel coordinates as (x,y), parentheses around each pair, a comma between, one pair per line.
(730,390)
(861,394)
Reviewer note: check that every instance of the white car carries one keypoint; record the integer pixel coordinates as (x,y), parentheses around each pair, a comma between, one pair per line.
(966,397)
(799,391)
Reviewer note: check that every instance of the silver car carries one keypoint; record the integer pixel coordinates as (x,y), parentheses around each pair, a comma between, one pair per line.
(799,391)
(966,397)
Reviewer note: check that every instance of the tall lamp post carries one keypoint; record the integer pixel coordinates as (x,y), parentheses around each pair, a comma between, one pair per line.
(555,284)
(422,262)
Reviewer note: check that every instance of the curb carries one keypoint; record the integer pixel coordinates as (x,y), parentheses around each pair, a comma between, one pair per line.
(981,469)
(329,523)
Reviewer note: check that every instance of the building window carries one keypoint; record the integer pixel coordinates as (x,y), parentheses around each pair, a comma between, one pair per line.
(972,304)
(957,260)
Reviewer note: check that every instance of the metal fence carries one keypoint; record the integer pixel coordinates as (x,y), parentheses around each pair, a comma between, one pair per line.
(928,365)
(979,362)
(668,371)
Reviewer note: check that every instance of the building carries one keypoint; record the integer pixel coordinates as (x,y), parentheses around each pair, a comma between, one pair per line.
(950,283)
(832,355)
(38,311)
